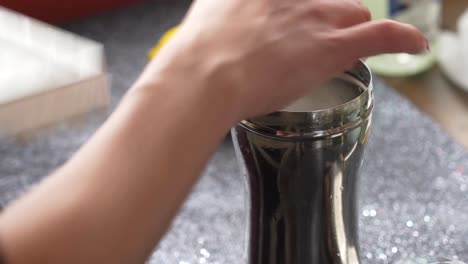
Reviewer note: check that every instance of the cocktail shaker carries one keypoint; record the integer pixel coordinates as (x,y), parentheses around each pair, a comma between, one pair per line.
(301,169)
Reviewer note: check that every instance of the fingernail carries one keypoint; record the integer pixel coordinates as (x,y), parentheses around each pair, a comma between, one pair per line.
(427,47)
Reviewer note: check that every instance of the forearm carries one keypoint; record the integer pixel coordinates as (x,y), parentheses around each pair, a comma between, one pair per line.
(115,199)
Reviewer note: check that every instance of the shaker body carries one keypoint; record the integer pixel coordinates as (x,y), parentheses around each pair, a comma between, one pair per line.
(301,172)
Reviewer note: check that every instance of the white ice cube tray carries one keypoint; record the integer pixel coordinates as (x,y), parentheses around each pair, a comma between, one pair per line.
(46,74)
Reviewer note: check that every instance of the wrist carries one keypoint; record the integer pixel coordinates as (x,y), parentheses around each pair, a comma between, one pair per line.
(189,92)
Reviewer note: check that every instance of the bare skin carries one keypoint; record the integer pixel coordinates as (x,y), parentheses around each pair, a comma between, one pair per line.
(233,59)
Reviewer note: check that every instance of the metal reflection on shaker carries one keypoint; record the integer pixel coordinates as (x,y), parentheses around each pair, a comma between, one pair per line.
(301,167)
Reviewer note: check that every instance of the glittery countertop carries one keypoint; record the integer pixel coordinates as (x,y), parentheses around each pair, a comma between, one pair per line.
(414,181)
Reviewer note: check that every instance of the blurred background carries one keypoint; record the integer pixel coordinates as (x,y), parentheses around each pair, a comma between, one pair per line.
(62,79)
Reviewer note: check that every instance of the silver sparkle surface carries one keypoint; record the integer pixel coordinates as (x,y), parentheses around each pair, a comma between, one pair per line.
(414,194)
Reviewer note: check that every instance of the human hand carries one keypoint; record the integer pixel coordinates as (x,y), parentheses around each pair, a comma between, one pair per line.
(262,55)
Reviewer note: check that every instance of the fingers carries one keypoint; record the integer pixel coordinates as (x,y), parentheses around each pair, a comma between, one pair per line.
(350,12)
(379,37)
(341,14)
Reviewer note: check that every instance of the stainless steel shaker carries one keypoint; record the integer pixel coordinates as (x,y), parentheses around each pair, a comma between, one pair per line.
(301,169)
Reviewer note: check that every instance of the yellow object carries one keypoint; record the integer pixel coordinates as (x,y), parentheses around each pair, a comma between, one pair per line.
(162,41)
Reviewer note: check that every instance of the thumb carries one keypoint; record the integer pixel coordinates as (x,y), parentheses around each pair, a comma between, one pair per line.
(384,36)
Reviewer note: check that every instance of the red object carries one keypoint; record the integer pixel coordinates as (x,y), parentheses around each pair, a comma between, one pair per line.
(59,11)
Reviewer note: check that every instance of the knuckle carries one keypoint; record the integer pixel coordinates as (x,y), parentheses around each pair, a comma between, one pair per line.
(366,13)
(390,27)
(413,29)
(334,44)
(393,32)
(339,46)
(321,14)
(334,41)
